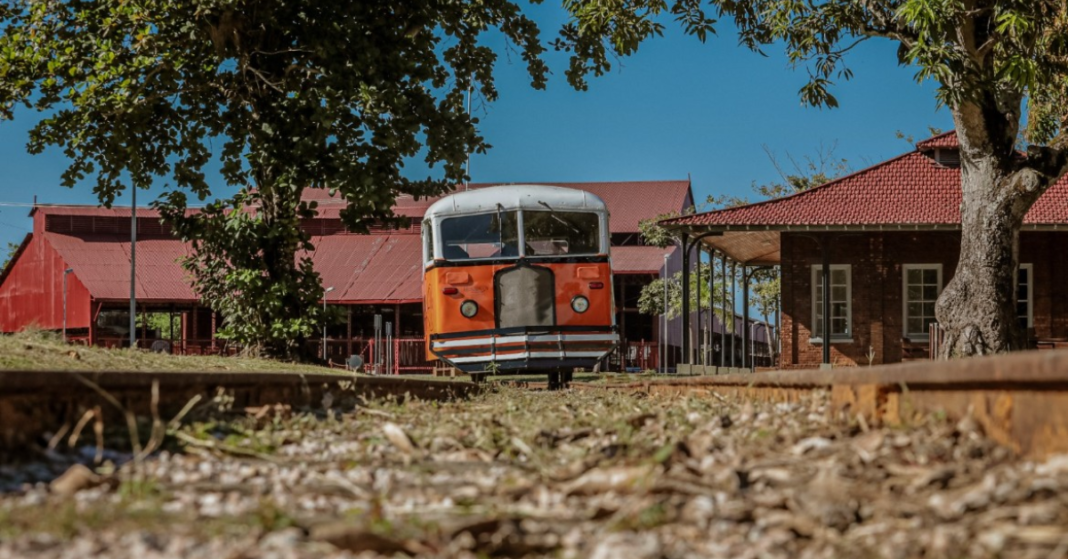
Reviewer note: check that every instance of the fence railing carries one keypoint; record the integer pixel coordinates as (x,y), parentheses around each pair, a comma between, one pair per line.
(934,340)
(396,356)
(635,357)
(175,347)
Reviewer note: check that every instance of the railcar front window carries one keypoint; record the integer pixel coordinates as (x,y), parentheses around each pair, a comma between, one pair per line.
(555,233)
(485,236)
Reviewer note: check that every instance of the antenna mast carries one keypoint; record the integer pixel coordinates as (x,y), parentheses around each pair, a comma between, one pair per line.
(467,172)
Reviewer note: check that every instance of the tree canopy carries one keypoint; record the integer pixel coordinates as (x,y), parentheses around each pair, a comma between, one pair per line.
(994,61)
(278,95)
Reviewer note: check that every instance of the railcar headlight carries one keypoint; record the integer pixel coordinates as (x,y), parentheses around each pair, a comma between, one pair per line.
(469,309)
(580,304)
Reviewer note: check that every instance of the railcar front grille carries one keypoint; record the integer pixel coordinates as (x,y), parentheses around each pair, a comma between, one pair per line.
(525,296)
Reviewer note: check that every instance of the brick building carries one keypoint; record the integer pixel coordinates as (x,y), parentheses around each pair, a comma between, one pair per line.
(890,235)
(375,274)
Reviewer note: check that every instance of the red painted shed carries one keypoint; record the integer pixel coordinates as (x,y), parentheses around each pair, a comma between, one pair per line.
(371,274)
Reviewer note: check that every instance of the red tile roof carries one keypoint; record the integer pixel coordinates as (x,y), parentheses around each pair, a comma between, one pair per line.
(943,140)
(908,190)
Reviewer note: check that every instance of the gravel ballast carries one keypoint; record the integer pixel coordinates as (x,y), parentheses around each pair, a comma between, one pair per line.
(513,473)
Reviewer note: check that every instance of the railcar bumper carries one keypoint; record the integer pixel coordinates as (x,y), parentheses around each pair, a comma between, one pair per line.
(524,349)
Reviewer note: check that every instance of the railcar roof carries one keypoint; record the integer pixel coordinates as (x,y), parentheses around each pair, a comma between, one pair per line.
(516,197)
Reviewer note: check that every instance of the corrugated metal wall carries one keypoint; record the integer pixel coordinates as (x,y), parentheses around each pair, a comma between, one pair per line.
(32,294)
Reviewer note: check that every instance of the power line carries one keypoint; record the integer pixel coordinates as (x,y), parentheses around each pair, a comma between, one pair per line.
(13,226)
(41,205)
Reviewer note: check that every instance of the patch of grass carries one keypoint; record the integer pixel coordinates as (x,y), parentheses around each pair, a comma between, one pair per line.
(36,351)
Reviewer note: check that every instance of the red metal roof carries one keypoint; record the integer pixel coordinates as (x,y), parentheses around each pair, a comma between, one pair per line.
(385,267)
(361,268)
(632,201)
(628,201)
(911,189)
(370,268)
(373,268)
(102,264)
(639,259)
(94,211)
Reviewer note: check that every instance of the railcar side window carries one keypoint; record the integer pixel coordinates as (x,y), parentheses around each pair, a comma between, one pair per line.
(428,241)
(485,236)
(553,233)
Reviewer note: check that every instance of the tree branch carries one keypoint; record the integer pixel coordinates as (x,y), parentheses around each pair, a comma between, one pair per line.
(885,26)
(1049,161)
(907,39)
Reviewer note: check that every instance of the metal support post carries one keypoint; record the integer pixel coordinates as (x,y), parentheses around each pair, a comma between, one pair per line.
(663,321)
(700,324)
(325,293)
(377,367)
(389,348)
(734,327)
(348,332)
(723,322)
(746,359)
(686,300)
(708,360)
(825,249)
(65,273)
(687,246)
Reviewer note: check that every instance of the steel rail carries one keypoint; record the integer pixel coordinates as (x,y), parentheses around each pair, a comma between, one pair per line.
(1020,400)
(34,403)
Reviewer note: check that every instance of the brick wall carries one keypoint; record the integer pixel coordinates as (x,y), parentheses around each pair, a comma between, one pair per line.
(877,292)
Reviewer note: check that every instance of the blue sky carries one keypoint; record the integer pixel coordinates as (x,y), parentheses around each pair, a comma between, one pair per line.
(678,108)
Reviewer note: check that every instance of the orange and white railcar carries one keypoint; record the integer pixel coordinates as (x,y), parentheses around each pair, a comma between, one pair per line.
(518,278)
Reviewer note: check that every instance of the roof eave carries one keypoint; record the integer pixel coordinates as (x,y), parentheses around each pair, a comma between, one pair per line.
(10,265)
(804,227)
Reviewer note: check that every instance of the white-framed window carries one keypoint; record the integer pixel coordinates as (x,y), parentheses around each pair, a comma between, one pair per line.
(1025,280)
(922,284)
(841,302)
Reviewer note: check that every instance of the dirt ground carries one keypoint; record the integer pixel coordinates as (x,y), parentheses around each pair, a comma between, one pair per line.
(516,473)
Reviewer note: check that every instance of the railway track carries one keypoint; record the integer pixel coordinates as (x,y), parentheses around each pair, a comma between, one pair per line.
(1020,400)
(33,403)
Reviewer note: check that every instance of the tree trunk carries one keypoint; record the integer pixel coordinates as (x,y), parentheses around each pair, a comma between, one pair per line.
(279,213)
(977,308)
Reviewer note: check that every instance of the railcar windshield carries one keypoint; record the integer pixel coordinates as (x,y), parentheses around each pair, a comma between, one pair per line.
(484,236)
(558,233)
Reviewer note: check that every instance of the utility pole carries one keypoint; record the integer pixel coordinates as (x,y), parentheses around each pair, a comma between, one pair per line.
(133,266)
